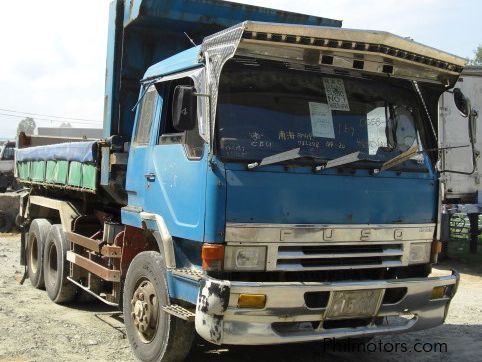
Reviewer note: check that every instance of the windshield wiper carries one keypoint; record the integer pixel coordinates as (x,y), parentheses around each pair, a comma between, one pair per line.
(308,153)
(405,156)
(347,159)
(293,154)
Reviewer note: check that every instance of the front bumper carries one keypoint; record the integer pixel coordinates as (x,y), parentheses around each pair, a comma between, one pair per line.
(286,318)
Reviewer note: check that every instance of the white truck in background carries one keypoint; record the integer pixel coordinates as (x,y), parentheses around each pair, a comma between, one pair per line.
(7,152)
(461,190)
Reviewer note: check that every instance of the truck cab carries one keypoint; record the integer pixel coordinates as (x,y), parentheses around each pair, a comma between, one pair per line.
(294,182)
(275,183)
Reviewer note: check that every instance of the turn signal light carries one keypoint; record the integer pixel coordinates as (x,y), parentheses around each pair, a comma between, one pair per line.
(439,292)
(257,301)
(436,247)
(212,256)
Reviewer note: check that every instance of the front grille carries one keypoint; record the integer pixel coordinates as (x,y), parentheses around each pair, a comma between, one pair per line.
(335,256)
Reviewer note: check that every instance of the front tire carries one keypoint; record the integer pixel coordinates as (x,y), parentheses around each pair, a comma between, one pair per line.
(37,234)
(153,334)
(56,267)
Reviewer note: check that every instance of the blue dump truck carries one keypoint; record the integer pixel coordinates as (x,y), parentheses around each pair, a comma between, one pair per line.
(264,177)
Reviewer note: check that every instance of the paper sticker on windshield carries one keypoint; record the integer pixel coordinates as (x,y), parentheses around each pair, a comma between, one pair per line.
(376,125)
(321,120)
(335,94)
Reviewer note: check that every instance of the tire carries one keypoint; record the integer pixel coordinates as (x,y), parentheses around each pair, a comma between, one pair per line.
(6,222)
(3,189)
(166,338)
(37,234)
(56,267)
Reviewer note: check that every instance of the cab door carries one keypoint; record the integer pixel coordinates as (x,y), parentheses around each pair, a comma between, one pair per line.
(177,167)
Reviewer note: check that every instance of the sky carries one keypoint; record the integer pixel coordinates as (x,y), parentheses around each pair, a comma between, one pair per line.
(52,59)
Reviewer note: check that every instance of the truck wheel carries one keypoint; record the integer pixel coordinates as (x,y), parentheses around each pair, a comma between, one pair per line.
(56,267)
(37,234)
(153,334)
(6,222)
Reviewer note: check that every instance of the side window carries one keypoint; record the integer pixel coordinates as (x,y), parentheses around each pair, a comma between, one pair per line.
(192,141)
(146,113)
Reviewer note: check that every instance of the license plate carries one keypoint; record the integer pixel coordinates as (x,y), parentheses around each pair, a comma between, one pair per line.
(353,304)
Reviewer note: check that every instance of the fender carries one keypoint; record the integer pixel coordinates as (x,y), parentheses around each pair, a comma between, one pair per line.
(163,238)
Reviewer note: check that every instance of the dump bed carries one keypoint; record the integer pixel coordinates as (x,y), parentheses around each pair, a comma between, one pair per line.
(141,33)
(70,165)
(144,32)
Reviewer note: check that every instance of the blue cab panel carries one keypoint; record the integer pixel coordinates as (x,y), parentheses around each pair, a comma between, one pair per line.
(177,63)
(273,195)
(144,32)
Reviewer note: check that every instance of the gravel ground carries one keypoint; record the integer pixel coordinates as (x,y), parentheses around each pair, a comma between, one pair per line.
(32,328)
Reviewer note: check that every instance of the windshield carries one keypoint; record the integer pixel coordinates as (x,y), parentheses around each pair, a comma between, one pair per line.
(263,110)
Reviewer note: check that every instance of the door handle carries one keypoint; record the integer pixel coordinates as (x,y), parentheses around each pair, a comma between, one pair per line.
(150,176)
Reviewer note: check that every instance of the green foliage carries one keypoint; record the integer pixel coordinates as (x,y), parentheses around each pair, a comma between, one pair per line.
(477,60)
(26,125)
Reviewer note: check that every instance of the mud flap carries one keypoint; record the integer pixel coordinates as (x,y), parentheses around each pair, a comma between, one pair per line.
(212,302)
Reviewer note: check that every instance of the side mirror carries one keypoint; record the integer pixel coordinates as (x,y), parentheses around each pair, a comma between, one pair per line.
(461,102)
(463,105)
(184,108)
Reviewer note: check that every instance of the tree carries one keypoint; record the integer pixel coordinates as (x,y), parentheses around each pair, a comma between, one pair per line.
(27,126)
(477,60)
(65,125)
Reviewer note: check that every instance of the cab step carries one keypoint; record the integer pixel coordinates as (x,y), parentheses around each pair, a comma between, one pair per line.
(180,312)
(193,274)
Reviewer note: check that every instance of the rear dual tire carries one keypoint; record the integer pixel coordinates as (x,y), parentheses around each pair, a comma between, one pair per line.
(37,234)
(57,268)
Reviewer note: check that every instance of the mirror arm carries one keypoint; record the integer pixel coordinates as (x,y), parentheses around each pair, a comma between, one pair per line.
(475,156)
(201,95)
(473,126)
(474,165)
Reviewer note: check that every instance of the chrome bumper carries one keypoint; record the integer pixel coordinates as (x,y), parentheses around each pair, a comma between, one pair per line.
(287,319)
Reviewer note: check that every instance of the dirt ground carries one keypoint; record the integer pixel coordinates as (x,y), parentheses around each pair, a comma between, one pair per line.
(32,328)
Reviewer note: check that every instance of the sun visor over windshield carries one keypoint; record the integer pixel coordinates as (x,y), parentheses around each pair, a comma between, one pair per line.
(316,46)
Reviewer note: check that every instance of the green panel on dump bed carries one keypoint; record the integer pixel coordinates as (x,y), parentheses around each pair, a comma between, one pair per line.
(61,171)
(89,175)
(75,174)
(23,169)
(38,171)
(50,172)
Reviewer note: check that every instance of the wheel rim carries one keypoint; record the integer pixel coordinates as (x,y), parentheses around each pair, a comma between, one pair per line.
(52,263)
(145,311)
(33,255)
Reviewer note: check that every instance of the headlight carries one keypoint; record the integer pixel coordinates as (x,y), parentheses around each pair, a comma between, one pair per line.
(244,258)
(419,253)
